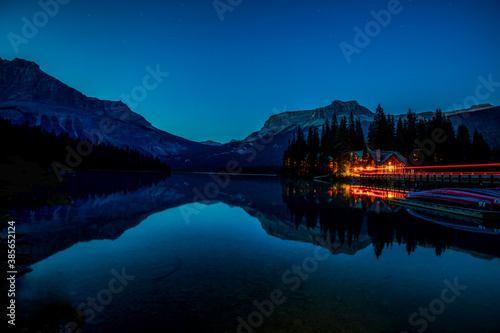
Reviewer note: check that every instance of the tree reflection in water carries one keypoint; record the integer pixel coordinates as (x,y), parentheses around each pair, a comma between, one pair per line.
(342,213)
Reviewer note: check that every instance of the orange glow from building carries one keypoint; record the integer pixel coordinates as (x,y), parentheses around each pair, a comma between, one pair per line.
(378,193)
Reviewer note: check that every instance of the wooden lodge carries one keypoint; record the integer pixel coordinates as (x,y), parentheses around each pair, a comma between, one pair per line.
(377,161)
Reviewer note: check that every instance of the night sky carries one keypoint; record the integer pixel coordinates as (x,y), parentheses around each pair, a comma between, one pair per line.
(226,77)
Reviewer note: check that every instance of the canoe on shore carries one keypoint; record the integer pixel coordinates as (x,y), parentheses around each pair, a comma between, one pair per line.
(473,203)
(484,199)
(440,208)
(446,220)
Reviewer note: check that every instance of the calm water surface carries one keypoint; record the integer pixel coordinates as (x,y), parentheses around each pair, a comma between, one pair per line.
(259,255)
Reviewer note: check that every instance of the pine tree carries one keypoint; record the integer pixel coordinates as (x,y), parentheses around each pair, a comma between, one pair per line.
(352,130)
(445,152)
(371,135)
(325,139)
(464,145)
(377,133)
(359,141)
(410,133)
(344,147)
(399,141)
(480,149)
(390,134)
(496,155)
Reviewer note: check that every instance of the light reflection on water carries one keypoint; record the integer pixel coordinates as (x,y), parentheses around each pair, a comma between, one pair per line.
(203,275)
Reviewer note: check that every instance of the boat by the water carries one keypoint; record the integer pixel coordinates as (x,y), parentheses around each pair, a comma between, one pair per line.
(473,198)
(464,224)
(483,195)
(475,203)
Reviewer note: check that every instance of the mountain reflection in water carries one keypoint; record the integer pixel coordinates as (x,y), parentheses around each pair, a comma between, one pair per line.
(339,217)
(199,267)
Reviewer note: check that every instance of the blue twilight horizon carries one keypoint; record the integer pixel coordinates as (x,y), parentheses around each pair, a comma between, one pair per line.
(221,68)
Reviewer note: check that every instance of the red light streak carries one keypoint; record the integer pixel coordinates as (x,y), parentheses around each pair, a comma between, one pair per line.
(374,172)
(453,166)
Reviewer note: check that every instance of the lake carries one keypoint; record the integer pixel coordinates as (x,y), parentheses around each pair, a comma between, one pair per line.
(199,253)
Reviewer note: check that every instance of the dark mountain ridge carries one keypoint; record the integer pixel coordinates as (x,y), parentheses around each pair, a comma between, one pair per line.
(27,94)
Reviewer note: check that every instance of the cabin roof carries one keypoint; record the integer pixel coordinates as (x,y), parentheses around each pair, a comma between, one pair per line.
(359,153)
(385,155)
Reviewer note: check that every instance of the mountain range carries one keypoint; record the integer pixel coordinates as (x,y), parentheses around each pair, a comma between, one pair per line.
(27,94)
